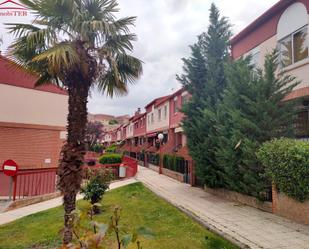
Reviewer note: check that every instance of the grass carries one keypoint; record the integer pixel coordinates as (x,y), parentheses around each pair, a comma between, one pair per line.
(140,207)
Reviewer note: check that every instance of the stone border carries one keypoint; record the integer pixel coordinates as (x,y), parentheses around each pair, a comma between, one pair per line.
(240,198)
(31,200)
(199,220)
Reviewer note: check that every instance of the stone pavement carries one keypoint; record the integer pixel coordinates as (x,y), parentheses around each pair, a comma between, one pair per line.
(249,227)
(38,207)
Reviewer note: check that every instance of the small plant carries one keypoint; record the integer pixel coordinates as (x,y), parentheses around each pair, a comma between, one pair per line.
(91,234)
(110,159)
(94,190)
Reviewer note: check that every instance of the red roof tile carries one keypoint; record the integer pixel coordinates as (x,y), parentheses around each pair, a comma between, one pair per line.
(11,74)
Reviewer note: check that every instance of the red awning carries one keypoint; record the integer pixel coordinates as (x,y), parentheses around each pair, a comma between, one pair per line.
(154,134)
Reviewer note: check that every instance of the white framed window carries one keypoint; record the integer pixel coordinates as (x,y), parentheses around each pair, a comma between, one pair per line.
(159,114)
(294,47)
(165,111)
(152,118)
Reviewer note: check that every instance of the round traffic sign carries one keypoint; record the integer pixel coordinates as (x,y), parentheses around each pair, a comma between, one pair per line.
(10,168)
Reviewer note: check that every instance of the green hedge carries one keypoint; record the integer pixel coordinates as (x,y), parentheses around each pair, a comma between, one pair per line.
(111,149)
(175,163)
(286,162)
(110,158)
(98,148)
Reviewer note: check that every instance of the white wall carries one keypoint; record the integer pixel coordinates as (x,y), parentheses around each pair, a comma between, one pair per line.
(29,106)
(129,132)
(157,124)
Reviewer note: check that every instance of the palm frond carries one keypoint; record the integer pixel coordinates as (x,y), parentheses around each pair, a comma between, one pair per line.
(119,43)
(60,57)
(129,67)
(121,71)
(122,24)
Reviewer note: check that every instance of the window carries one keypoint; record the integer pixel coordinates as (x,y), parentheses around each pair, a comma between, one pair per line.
(184,99)
(165,111)
(152,119)
(159,115)
(294,47)
(148,119)
(255,56)
(175,105)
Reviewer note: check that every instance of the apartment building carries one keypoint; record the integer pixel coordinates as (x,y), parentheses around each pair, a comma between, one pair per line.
(283,27)
(32,119)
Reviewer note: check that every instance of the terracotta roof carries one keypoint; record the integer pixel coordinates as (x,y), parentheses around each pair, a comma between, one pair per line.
(136,117)
(14,75)
(261,19)
(157,100)
(162,100)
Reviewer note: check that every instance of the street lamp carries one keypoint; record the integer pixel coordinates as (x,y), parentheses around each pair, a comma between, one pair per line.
(160,138)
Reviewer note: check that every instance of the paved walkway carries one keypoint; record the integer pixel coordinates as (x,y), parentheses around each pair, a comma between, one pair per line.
(249,226)
(38,207)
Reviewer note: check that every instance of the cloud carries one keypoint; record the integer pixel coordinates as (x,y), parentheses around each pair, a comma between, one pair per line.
(165,29)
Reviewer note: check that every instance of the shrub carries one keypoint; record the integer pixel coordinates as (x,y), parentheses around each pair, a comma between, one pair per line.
(95,188)
(98,148)
(110,158)
(175,163)
(286,162)
(111,149)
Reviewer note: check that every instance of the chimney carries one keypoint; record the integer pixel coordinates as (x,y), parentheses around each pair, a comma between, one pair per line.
(138,111)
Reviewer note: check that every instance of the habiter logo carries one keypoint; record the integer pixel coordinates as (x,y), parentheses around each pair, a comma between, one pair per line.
(12,8)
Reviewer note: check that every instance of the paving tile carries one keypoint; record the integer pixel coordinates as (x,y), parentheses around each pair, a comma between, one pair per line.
(253,227)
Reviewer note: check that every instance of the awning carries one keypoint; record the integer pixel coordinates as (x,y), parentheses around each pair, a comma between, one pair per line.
(179,129)
(154,134)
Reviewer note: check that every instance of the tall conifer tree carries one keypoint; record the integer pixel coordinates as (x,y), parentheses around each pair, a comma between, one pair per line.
(250,113)
(204,79)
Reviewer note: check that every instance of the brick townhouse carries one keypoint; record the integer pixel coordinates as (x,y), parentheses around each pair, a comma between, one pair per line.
(139,137)
(32,119)
(285,27)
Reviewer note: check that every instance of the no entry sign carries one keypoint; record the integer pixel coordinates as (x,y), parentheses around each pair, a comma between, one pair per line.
(10,168)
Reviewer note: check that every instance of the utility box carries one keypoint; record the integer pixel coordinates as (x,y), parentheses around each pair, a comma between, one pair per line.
(122,171)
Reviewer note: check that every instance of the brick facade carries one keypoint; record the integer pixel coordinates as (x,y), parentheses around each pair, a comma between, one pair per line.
(30,145)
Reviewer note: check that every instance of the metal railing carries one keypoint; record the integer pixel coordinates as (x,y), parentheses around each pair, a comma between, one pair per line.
(28,183)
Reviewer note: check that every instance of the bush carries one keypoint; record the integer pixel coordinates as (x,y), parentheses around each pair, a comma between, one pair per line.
(97,185)
(111,149)
(286,162)
(98,148)
(175,163)
(110,158)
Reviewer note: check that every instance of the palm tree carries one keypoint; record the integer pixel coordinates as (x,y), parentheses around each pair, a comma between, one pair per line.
(76,44)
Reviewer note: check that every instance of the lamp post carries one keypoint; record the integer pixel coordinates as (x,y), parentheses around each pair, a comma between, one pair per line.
(160,138)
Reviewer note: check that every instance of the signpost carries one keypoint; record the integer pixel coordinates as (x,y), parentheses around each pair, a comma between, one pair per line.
(10,168)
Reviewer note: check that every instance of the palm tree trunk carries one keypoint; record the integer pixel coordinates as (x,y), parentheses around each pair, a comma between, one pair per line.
(72,154)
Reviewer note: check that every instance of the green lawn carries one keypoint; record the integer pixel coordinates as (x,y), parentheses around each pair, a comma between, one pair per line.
(140,207)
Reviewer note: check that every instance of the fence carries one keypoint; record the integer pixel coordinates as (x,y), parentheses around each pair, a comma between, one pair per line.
(28,183)
(35,182)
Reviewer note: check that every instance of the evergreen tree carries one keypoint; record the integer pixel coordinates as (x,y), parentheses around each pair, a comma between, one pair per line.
(251,112)
(204,79)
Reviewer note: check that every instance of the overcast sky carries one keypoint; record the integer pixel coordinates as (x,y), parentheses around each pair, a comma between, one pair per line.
(165,29)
